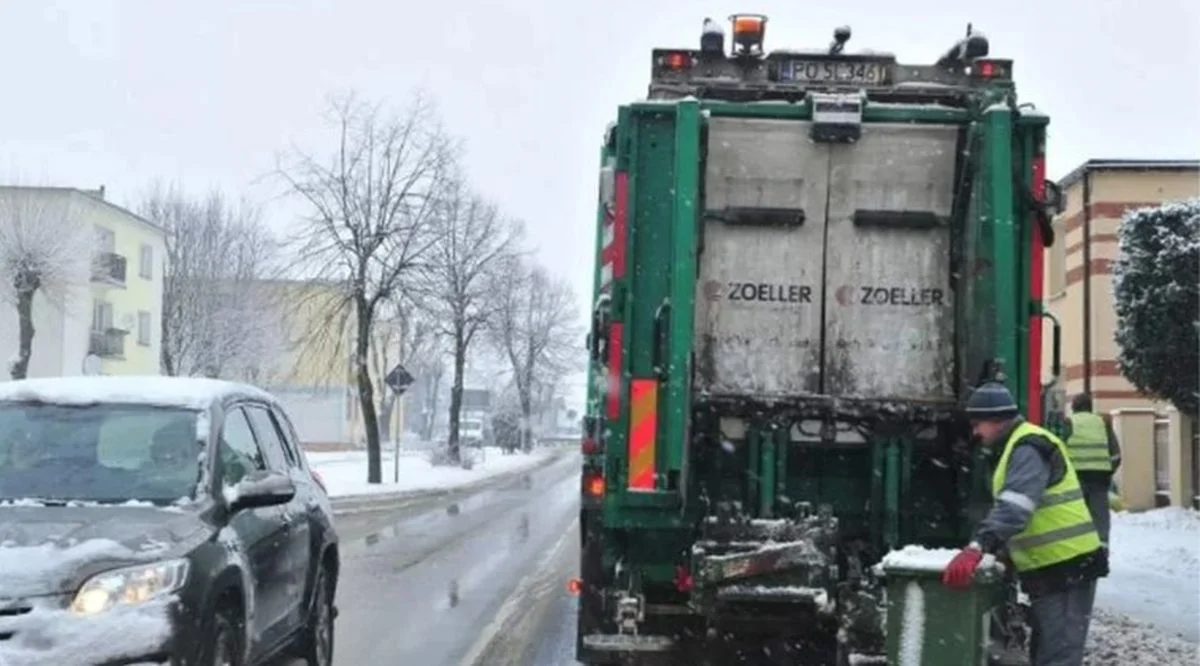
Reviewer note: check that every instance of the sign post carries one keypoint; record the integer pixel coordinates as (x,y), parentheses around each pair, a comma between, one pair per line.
(398,379)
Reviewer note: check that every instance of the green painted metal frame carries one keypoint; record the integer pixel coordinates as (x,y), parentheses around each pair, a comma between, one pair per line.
(660,146)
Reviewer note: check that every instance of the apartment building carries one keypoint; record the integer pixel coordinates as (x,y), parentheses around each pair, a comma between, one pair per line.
(109,320)
(310,368)
(1161,459)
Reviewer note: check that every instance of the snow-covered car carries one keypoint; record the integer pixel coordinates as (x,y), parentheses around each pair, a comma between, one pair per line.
(158,520)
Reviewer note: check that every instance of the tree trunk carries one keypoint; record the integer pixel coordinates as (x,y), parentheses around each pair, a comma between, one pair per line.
(525,396)
(387,407)
(431,405)
(456,391)
(164,354)
(366,392)
(20,369)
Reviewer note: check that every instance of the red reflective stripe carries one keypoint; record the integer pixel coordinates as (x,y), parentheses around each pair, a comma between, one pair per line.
(643,426)
(620,224)
(1036,275)
(616,332)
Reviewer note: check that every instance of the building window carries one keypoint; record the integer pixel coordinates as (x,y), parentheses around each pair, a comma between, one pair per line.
(1056,268)
(146,262)
(106,240)
(102,315)
(143,328)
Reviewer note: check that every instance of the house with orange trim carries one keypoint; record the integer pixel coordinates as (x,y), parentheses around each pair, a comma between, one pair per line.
(1161,447)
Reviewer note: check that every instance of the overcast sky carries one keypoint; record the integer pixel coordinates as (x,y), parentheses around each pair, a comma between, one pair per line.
(122,91)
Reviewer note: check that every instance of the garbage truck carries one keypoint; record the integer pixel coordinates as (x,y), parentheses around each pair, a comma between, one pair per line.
(805,260)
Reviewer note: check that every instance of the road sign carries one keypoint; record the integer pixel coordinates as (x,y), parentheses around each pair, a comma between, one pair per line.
(399,379)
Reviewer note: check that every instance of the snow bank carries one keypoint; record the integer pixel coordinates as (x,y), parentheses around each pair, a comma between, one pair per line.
(1116,640)
(1174,518)
(1154,570)
(345,472)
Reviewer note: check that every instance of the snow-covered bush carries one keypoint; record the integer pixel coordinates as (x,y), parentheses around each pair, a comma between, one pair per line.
(1156,288)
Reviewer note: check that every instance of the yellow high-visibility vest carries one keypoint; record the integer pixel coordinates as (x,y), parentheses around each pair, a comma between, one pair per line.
(1061,526)
(1088,443)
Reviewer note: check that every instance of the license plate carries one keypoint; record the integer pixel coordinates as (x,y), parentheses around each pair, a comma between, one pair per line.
(838,71)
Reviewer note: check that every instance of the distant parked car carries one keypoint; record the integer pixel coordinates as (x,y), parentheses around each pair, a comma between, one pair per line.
(157,520)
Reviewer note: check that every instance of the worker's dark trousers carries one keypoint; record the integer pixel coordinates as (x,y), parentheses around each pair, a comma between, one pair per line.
(1060,625)
(1096,496)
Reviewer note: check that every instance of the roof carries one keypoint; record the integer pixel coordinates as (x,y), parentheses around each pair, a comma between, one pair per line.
(158,391)
(93,196)
(1093,165)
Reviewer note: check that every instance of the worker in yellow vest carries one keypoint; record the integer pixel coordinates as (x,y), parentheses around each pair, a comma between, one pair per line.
(1096,455)
(1039,524)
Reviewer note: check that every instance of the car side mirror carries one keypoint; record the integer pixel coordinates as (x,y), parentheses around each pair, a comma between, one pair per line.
(260,488)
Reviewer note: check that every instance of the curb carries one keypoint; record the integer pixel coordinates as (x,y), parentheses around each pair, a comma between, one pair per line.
(364,503)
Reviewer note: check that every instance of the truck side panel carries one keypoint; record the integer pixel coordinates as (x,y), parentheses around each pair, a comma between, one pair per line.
(889,305)
(758,317)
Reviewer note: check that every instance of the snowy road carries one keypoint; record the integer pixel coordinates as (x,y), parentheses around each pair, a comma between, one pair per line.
(478,580)
(428,585)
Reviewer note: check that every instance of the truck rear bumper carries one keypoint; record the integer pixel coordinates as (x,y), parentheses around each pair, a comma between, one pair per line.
(628,643)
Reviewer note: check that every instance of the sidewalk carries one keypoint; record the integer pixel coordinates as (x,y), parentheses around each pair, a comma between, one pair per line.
(345,472)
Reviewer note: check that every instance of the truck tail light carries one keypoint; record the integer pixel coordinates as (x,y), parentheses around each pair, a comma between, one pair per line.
(593,484)
(683,579)
(589,446)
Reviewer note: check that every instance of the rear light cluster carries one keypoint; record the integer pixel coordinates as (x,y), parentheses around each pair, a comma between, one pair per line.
(319,479)
(593,484)
(590,447)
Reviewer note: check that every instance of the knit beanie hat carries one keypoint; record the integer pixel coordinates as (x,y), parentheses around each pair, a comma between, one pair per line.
(991,402)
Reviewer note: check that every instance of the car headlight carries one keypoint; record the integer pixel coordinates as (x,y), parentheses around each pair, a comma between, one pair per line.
(129,586)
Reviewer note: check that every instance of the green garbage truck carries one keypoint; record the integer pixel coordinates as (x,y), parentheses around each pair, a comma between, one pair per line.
(805,260)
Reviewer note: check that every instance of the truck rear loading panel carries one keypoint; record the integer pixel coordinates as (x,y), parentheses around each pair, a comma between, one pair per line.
(805,260)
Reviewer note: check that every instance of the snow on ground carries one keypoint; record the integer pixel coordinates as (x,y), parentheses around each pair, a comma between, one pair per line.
(345,472)
(1115,640)
(1155,571)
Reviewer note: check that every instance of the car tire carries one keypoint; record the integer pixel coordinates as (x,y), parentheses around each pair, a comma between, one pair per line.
(316,643)
(223,639)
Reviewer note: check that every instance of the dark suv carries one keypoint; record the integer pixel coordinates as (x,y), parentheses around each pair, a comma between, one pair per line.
(154,520)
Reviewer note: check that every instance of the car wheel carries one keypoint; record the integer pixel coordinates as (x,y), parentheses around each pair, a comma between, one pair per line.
(316,647)
(223,640)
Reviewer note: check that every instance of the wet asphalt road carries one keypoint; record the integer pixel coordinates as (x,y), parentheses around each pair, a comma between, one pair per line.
(464,581)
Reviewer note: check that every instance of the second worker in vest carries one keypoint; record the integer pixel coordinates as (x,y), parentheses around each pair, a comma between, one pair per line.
(1039,524)
(1096,455)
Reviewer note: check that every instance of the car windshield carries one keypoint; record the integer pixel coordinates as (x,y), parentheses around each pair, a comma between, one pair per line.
(97,453)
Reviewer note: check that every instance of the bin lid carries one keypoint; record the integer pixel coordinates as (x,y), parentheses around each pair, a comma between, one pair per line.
(920,560)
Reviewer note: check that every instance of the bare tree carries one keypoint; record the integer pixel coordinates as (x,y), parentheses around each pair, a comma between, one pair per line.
(216,321)
(45,250)
(535,327)
(404,337)
(372,212)
(458,287)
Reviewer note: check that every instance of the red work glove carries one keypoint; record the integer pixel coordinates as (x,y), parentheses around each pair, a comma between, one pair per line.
(961,570)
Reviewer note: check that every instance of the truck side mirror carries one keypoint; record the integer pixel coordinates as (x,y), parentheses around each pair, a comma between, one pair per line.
(1056,200)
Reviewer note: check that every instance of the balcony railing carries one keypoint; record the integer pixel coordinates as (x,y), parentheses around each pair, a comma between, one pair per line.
(109,267)
(107,344)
